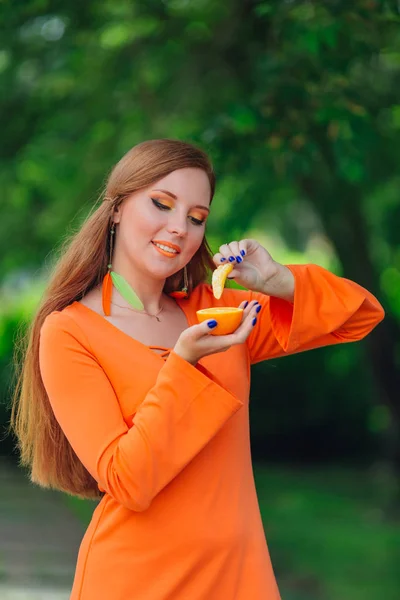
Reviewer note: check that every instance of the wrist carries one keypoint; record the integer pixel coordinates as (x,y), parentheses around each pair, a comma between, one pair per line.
(180,352)
(281,284)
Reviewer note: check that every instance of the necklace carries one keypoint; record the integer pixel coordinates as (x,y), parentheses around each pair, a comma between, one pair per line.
(140,311)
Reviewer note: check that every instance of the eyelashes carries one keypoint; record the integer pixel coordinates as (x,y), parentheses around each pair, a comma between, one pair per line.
(162,206)
(197,221)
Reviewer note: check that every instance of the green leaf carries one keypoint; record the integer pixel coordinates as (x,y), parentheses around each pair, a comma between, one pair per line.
(116,35)
(126,291)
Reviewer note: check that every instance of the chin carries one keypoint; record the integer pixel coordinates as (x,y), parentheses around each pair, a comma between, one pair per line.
(162,271)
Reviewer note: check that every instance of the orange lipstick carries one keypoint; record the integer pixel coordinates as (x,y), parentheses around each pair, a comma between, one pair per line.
(166,245)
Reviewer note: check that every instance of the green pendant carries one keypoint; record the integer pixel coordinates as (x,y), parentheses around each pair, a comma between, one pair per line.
(126,291)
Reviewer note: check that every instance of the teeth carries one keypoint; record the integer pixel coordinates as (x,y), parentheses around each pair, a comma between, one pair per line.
(166,248)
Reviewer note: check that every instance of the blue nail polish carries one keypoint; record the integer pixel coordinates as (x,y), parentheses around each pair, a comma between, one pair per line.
(259,307)
(212,324)
(231,258)
(245,304)
(222,259)
(254,321)
(238,259)
(242,252)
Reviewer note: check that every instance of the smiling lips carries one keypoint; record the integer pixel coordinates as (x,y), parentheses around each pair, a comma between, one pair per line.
(166,248)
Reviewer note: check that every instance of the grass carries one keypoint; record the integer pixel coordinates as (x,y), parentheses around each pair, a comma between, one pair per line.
(328,532)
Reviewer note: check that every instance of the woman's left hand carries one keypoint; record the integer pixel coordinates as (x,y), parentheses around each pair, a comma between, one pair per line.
(255,269)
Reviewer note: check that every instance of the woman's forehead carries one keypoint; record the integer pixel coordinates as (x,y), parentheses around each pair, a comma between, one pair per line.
(189,184)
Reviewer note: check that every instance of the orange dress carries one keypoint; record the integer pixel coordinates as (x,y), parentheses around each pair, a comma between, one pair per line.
(169,443)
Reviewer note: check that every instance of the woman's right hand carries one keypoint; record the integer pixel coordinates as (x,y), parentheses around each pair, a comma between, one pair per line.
(196,341)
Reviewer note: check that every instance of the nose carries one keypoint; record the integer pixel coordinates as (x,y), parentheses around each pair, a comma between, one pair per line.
(177,225)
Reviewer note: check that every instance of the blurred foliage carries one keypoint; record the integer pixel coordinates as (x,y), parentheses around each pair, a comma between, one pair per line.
(297,103)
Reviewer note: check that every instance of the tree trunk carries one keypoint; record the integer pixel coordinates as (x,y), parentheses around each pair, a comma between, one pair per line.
(346,229)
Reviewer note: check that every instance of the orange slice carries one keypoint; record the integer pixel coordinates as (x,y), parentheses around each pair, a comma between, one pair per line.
(219,277)
(227,317)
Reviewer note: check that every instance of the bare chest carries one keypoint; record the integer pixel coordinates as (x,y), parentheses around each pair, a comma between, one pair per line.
(151,332)
(163,331)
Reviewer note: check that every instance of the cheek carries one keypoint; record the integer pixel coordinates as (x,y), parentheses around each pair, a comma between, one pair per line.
(196,241)
(133,236)
(142,223)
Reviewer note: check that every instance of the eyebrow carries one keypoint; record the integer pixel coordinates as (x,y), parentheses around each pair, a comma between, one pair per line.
(176,198)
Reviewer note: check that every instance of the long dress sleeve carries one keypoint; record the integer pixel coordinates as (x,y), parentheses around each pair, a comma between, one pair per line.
(176,419)
(327,310)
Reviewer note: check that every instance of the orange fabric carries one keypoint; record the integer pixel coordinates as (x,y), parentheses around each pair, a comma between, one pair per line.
(169,443)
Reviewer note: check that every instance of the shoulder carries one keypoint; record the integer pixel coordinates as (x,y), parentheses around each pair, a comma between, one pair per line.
(57,319)
(60,324)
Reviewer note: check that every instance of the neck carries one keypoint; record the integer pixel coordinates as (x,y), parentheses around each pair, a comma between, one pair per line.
(150,291)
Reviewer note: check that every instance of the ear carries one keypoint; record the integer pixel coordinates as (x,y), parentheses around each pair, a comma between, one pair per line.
(116,215)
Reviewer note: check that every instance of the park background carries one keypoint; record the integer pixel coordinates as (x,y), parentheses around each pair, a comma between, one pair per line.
(298,105)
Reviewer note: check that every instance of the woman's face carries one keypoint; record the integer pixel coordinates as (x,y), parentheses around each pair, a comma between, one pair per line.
(161,227)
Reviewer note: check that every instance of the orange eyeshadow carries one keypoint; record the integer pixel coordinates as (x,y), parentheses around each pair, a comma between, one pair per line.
(164,199)
(198,215)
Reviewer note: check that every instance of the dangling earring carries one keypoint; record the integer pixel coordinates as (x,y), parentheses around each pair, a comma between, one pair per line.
(107,281)
(183,293)
(111,278)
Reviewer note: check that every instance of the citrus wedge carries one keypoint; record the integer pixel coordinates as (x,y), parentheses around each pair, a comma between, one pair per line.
(227,317)
(219,277)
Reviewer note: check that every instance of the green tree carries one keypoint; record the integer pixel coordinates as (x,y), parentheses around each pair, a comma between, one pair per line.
(297,102)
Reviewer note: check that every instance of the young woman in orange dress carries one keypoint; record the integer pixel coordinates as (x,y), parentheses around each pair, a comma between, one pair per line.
(125,397)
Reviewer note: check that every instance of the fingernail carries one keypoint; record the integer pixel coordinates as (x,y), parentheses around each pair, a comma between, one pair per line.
(242,252)
(254,321)
(222,259)
(212,324)
(231,258)
(245,304)
(238,259)
(259,307)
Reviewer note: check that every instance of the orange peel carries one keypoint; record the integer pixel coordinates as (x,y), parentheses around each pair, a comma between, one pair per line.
(218,279)
(227,317)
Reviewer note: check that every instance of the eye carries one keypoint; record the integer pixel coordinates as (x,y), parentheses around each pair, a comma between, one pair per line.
(197,221)
(160,205)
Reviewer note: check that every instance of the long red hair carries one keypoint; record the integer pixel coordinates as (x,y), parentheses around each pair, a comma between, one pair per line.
(42,445)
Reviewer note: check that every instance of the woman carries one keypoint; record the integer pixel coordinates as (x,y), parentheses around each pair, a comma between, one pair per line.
(124,396)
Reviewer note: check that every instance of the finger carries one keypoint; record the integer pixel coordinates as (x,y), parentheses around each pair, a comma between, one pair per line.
(242,333)
(243,304)
(251,311)
(233,274)
(235,251)
(243,248)
(246,305)
(248,245)
(226,253)
(238,337)
(219,259)
(197,332)
(249,307)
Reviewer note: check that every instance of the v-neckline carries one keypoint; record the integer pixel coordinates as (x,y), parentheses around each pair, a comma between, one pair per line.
(160,355)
